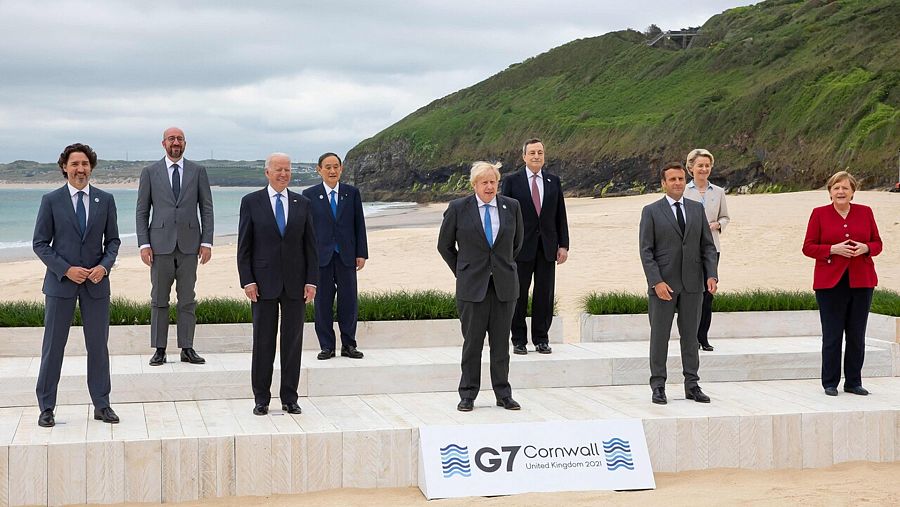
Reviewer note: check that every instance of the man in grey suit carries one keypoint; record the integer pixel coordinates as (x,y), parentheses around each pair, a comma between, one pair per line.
(174,189)
(676,246)
(479,239)
(77,238)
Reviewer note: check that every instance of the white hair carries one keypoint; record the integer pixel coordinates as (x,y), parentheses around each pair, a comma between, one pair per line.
(275,155)
(481,167)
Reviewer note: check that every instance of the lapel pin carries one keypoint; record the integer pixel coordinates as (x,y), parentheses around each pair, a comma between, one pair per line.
(504,206)
(96,199)
(321,196)
(548,180)
(295,200)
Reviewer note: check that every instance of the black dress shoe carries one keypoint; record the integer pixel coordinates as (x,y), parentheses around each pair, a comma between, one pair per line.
(292,408)
(543,348)
(696,394)
(159,357)
(325,354)
(46,419)
(465,405)
(190,356)
(659,396)
(508,403)
(260,409)
(106,414)
(707,348)
(831,391)
(860,390)
(520,349)
(351,352)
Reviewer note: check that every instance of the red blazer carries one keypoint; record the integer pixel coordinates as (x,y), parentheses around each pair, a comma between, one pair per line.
(827,227)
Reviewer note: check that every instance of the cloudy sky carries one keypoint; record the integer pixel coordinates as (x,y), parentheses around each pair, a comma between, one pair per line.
(247,78)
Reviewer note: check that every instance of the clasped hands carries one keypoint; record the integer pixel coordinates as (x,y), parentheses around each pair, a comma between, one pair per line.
(252,293)
(79,274)
(664,292)
(849,248)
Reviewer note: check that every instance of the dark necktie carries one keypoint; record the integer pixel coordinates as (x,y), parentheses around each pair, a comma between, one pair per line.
(488,226)
(279,214)
(535,194)
(81,213)
(337,248)
(679,216)
(176,181)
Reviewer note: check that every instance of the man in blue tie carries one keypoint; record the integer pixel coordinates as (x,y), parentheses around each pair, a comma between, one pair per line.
(343,249)
(479,239)
(77,238)
(279,269)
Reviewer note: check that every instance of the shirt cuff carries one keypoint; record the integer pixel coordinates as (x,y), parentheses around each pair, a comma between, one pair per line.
(207,245)
(311,285)
(144,246)
(249,284)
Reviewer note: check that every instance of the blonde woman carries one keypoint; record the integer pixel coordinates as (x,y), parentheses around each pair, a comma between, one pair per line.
(699,165)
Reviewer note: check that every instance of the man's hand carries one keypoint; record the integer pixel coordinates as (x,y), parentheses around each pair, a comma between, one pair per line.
(147,255)
(712,285)
(360,263)
(77,274)
(663,291)
(309,293)
(205,254)
(96,273)
(252,292)
(561,255)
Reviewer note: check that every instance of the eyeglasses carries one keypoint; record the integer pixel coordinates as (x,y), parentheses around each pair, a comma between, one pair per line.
(172,139)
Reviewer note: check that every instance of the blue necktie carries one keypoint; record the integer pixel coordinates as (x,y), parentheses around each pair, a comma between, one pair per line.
(337,248)
(176,181)
(488,227)
(81,213)
(279,214)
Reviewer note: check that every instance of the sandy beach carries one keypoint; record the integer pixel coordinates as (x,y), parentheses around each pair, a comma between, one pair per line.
(760,249)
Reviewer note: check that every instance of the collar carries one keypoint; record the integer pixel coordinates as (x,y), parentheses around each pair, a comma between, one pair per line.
(709,185)
(329,189)
(169,162)
(482,203)
(272,192)
(672,201)
(529,174)
(73,190)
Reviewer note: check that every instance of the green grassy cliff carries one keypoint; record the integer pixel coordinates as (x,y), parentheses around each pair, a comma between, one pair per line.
(783,93)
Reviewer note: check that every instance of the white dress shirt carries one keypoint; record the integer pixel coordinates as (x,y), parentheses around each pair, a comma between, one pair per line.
(495,216)
(540,182)
(284,201)
(86,199)
(337,192)
(674,211)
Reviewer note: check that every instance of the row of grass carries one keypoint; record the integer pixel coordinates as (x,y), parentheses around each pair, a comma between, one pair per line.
(884,301)
(433,304)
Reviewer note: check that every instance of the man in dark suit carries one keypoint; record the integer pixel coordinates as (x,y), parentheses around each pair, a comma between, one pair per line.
(341,233)
(278,267)
(479,239)
(174,189)
(676,247)
(77,237)
(546,244)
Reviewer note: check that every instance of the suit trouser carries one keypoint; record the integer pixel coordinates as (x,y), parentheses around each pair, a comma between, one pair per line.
(493,317)
(843,310)
(337,278)
(265,327)
(544,273)
(181,269)
(706,311)
(57,322)
(661,314)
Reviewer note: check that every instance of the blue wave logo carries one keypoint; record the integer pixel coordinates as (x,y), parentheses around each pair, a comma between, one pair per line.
(618,454)
(455,461)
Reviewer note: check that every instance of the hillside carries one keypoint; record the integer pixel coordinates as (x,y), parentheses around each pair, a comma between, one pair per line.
(783,93)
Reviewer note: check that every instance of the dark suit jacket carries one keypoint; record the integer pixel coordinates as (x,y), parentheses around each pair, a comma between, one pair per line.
(552,227)
(464,247)
(265,258)
(825,228)
(348,230)
(668,256)
(58,242)
(174,224)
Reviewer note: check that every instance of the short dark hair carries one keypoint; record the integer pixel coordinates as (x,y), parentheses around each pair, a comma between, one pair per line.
(533,140)
(326,155)
(72,148)
(671,165)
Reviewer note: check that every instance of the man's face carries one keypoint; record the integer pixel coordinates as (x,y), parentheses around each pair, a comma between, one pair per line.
(534,157)
(330,171)
(486,186)
(78,170)
(174,143)
(279,173)
(673,183)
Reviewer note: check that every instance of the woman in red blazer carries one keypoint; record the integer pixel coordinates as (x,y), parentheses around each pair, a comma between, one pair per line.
(842,238)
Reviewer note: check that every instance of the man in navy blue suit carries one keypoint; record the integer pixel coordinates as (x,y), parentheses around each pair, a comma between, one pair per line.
(77,238)
(341,241)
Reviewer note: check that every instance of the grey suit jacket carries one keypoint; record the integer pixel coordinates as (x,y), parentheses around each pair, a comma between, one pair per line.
(174,224)
(464,247)
(668,256)
(58,242)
